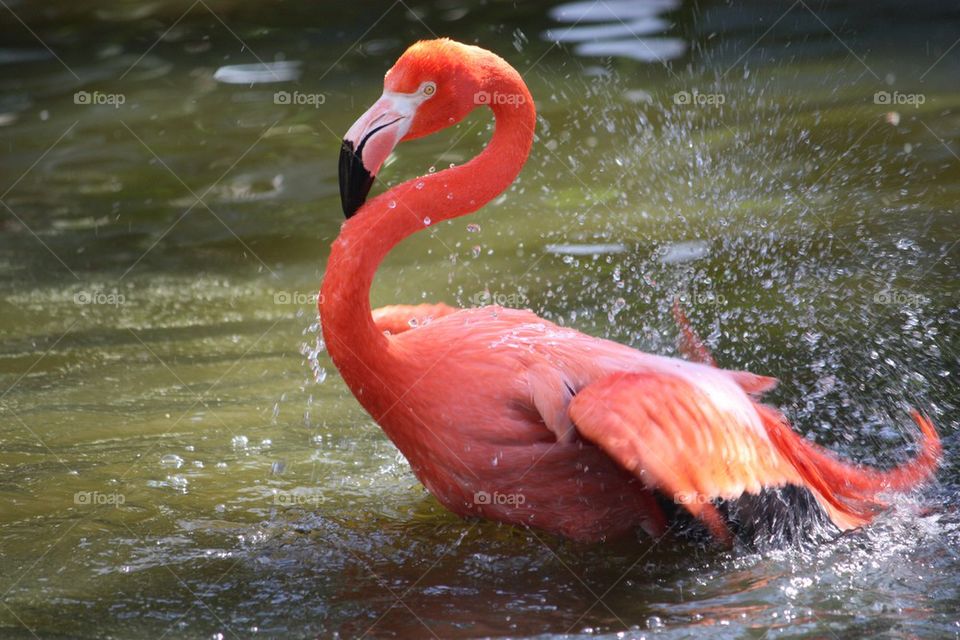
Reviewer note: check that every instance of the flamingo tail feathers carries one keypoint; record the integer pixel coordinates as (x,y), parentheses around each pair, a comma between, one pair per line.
(850,493)
(691,345)
(694,349)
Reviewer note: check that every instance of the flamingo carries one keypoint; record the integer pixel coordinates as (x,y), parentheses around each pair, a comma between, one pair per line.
(505,416)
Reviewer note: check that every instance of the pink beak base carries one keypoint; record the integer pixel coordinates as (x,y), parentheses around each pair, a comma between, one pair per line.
(365,148)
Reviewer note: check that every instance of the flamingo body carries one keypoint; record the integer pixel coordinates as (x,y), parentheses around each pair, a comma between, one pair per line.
(507,416)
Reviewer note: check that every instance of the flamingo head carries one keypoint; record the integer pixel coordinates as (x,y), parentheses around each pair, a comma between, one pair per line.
(433,85)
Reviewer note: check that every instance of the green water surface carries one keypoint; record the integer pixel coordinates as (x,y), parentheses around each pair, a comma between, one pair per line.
(180,459)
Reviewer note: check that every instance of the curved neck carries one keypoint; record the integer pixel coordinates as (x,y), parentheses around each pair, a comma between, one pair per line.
(352,339)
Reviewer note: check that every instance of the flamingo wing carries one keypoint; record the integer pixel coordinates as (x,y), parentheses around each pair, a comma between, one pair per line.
(699,444)
(678,439)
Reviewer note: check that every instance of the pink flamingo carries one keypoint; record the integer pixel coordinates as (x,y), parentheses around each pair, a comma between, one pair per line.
(506,416)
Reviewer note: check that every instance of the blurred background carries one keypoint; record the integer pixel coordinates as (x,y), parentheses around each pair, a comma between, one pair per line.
(179,458)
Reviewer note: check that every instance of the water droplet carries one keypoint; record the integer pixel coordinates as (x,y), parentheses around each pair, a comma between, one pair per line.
(476,251)
(413,322)
(473,228)
(178,483)
(426,221)
(618,305)
(171,460)
(519,39)
(239,442)
(432,169)
(419,185)
(392,204)
(449,196)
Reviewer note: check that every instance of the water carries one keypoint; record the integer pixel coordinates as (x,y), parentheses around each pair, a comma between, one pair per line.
(180,458)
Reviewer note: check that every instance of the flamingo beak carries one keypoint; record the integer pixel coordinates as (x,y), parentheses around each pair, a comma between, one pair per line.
(367,145)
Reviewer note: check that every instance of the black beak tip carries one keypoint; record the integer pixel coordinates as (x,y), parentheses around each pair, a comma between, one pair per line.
(355,180)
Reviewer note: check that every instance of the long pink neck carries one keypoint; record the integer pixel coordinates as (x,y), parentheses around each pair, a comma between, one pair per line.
(357,348)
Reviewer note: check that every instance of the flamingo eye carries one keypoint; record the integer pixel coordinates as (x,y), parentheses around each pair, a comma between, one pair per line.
(428,89)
